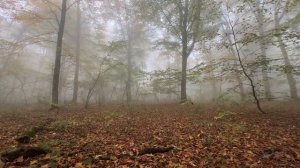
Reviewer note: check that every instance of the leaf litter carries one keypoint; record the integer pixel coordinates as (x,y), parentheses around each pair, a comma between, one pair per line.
(166,135)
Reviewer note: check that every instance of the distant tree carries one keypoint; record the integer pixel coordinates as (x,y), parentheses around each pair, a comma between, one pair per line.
(258,10)
(186,21)
(77,52)
(279,12)
(130,30)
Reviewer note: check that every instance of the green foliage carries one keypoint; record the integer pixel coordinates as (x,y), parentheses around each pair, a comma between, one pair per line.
(165,81)
(111,115)
(114,46)
(222,114)
(285,69)
(208,140)
(88,162)
(55,105)
(168,45)
(170,16)
(60,124)
(240,127)
(33,130)
(45,147)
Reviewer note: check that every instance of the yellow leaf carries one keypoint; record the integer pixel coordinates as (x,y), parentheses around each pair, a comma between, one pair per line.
(47,157)
(33,162)
(192,164)
(45,166)
(79,165)
(113,158)
(97,156)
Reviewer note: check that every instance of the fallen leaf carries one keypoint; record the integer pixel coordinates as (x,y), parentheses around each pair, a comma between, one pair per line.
(79,165)
(45,166)
(33,162)
(20,159)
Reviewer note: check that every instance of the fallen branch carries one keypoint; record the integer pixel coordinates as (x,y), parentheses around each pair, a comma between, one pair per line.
(26,152)
(114,157)
(144,151)
(155,150)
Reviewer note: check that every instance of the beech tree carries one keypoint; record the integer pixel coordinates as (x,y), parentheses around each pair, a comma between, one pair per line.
(279,12)
(258,10)
(186,22)
(77,52)
(58,53)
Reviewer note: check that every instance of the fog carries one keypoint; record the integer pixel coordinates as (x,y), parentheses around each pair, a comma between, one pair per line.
(149,83)
(140,51)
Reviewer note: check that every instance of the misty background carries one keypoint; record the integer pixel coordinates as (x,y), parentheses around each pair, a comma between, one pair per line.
(133,51)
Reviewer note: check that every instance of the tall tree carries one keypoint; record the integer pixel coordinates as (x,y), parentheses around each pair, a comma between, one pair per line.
(131,31)
(77,53)
(278,15)
(259,15)
(129,63)
(58,53)
(186,21)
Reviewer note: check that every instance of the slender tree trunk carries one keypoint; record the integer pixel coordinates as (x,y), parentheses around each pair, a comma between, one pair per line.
(62,79)
(245,71)
(101,93)
(184,43)
(238,78)
(77,54)
(56,73)
(129,64)
(91,89)
(241,87)
(287,63)
(266,82)
(183,74)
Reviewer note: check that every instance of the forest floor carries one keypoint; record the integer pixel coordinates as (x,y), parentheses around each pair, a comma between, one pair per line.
(202,135)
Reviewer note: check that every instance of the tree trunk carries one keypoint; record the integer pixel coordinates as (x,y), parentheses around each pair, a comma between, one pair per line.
(62,79)
(91,89)
(185,52)
(77,54)
(245,71)
(267,87)
(238,78)
(129,64)
(241,87)
(183,76)
(287,63)
(58,55)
